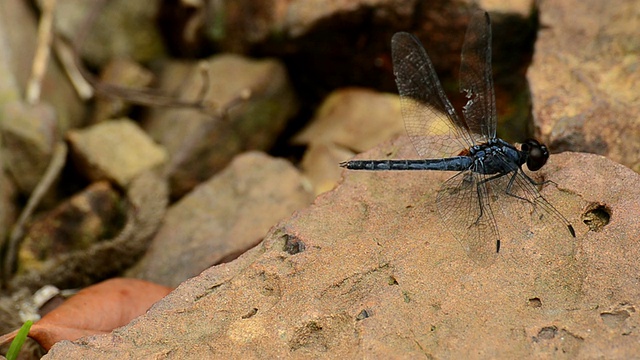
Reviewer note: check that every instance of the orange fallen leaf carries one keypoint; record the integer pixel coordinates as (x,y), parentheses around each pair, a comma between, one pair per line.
(97,309)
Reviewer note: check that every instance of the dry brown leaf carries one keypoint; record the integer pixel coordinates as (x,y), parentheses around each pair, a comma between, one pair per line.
(97,309)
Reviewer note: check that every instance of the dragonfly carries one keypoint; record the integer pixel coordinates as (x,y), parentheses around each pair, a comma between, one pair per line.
(490,177)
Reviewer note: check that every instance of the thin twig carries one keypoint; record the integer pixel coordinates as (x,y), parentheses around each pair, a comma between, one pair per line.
(17,233)
(66,55)
(43,50)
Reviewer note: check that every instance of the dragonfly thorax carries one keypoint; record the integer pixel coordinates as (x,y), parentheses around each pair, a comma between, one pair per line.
(496,156)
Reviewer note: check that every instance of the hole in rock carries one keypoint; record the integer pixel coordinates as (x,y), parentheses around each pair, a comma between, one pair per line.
(596,217)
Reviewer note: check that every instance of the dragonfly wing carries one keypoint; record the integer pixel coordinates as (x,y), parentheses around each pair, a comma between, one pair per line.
(521,196)
(476,79)
(431,122)
(464,204)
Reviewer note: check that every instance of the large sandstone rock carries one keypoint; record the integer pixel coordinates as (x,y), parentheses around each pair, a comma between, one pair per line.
(584,78)
(368,271)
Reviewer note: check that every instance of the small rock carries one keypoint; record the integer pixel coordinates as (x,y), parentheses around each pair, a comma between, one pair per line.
(352,119)
(320,165)
(117,150)
(201,144)
(523,8)
(28,134)
(356,119)
(223,217)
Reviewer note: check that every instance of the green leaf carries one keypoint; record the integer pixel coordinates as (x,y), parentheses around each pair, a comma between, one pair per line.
(18,341)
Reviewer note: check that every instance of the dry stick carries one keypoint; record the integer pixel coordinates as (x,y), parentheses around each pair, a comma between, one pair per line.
(17,233)
(43,50)
(66,55)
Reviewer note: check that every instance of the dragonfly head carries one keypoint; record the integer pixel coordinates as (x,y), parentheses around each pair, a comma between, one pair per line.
(536,154)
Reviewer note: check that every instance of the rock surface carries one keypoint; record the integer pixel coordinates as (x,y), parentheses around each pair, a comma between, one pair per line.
(223,217)
(584,78)
(291,18)
(123,29)
(368,271)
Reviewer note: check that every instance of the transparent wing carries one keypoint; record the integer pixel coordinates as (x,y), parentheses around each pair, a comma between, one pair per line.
(471,205)
(465,206)
(521,198)
(476,79)
(430,120)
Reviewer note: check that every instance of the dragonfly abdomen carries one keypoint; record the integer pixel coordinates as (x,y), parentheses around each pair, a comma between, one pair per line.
(458,163)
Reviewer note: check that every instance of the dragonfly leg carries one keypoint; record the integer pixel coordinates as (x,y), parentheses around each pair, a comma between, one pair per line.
(479,191)
(533,182)
(511,181)
(510,186)
(496,176)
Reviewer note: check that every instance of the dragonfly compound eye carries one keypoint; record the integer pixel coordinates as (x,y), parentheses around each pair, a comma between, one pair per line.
(538,154)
